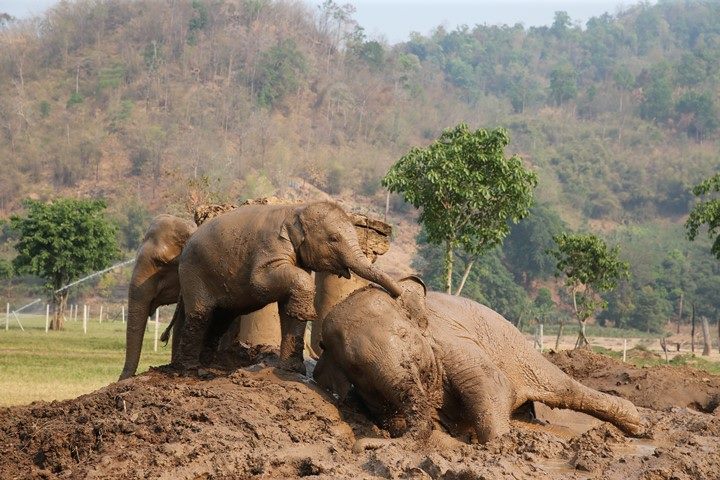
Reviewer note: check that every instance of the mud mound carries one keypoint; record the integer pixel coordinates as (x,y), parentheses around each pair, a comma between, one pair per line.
(659,388)
(254,421)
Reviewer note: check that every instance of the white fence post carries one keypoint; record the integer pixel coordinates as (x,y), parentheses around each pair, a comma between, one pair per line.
(101,312)
(157,326)
(85,315)
(47,317)
(624,349)
(76,309)
(542,341)
(122,314)
(7,316)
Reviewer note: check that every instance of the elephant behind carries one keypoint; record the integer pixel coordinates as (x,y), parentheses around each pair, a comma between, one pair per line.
(259,254)
(449,358)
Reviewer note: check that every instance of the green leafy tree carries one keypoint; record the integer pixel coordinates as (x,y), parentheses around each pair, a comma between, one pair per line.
(543,305)
(706,212)
(563,84)
(697,114)
(651,311)
(590,268)
(526,247)
(62,240)
(656,104)
(281,70)
(467,189)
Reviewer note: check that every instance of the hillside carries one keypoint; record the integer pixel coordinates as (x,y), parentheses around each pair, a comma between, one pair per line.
(155,104)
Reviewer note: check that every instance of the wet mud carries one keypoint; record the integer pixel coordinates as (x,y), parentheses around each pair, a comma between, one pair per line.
(252,420)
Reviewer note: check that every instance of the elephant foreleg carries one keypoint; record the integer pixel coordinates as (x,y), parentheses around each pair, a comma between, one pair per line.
(295,289)
(487,395)
(292,343)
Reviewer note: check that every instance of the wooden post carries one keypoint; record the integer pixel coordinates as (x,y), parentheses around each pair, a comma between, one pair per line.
(85,315)
(706,336)
(387,205)
(122,313)
(542,341)
(624,350)
(7,316)
(101,312)
(157,327)
(47,317)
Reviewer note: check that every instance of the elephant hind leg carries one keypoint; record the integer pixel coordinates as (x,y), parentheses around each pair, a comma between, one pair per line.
(570,394)
(192,336)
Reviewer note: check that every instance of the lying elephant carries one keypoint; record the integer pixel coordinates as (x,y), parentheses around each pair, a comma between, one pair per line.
(255,255)
(452,359)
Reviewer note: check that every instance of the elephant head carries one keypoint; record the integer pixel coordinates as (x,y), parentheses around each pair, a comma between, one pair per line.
(380,357)
(325,240)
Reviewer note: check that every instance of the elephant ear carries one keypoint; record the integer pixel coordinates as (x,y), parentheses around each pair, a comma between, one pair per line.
(413,299)
(293,232)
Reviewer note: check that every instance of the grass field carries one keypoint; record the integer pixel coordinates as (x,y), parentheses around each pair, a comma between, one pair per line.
(59,365)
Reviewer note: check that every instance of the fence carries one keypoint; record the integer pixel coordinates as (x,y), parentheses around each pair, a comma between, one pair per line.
(85,314)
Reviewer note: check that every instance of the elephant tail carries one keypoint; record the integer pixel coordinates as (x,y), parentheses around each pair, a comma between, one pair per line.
(570,394)
(179,310)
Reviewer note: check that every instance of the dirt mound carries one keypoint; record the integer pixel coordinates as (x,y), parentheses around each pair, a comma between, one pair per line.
(659,388)
(253,421)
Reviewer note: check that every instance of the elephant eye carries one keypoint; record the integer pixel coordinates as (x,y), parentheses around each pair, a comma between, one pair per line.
(334,237)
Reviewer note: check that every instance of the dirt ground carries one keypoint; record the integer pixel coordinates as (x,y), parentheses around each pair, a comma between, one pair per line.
(254,421)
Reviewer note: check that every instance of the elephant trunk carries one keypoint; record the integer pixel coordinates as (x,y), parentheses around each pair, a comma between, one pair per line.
(362,267)
(137,321)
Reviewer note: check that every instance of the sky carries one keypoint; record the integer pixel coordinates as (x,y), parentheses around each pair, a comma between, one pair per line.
(393,20)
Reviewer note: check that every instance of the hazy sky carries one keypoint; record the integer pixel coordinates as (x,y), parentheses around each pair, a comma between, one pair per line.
(395,19)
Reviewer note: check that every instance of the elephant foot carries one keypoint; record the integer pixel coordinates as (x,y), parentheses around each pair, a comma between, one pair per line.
(293,364)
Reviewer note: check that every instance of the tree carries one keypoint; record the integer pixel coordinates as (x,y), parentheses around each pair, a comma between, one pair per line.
(656,104)
(707,212)
(697,114)
(62,240)
(590,268)
(526,247)
(563,84)
(467,189)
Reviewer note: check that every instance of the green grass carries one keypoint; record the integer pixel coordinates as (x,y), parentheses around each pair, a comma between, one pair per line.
(640,357)
(35,365)
(572,328)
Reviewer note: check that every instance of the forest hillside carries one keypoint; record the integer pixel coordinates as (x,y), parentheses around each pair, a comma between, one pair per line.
(151,104)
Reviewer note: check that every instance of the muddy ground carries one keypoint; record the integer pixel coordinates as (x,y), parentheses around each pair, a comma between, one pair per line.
(258,422)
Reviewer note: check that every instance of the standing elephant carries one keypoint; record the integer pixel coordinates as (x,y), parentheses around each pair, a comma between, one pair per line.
(259,254)
(447,358)
(154,280)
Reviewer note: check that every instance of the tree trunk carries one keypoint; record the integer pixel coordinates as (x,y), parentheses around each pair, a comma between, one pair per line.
(466,273)
(448,264)
(706,336)
(680,312)
(59,302)
(692,330)
(582,338)
(559,334)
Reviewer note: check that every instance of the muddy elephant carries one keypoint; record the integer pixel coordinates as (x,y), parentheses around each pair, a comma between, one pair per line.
(450,360)
(154,280)
(259,254)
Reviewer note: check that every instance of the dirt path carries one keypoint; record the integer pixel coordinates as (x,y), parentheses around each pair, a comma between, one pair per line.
(257,422)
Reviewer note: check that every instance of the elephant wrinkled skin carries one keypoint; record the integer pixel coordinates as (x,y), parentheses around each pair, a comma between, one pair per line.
(255,255)
(154,280)
(463,365)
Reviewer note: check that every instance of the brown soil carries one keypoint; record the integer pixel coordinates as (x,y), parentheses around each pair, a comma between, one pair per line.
(259,422)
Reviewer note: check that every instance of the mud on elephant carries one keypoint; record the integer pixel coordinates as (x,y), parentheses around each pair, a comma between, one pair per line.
(462,365)
(259,254)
